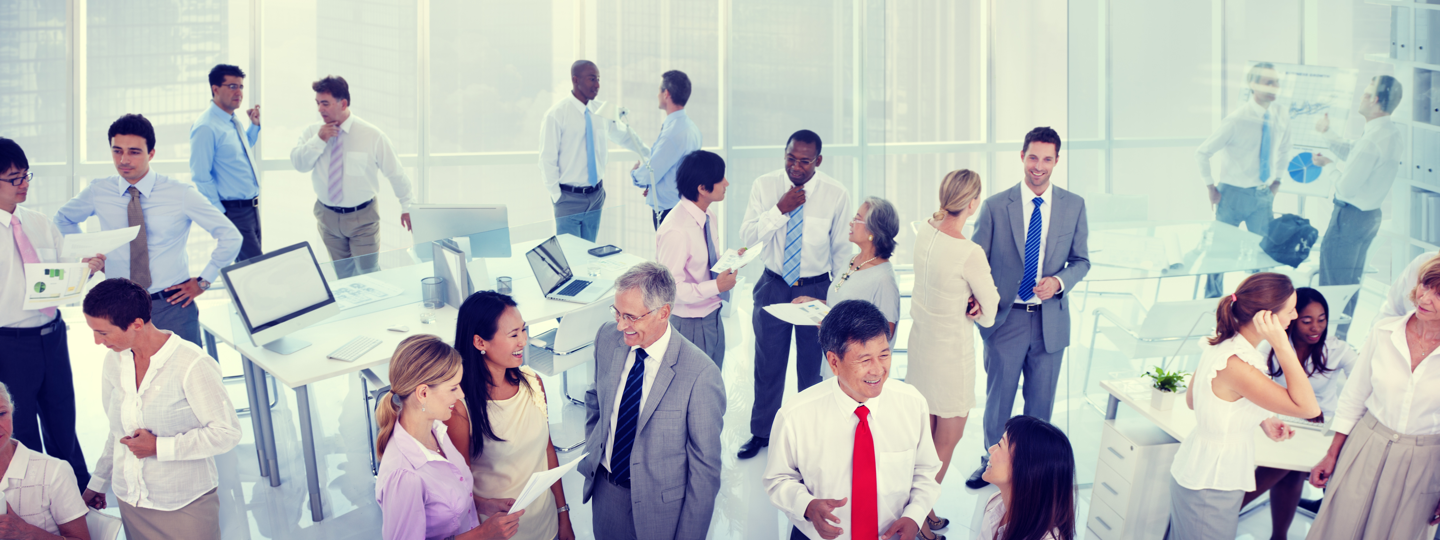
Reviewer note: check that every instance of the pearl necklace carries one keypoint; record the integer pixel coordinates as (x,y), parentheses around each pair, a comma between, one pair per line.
(853,268)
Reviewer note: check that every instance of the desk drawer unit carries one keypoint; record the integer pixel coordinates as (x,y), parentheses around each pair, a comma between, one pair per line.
(1131,495)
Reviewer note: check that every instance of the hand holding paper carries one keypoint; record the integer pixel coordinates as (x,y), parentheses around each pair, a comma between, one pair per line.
(737,259)
(54,284)
(807,314)
(540,482)
(82,245)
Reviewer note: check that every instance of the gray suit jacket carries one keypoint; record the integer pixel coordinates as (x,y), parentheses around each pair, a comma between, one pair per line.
(999,231)
(675,463)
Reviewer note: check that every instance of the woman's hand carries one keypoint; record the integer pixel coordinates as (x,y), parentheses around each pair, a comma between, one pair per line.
(486,507)
(1269,327)
(496,527)
(1276,429)
(1321,472)
(566,531)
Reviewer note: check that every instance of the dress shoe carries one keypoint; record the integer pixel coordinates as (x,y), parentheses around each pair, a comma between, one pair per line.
(752,447)
(1313,505)
(975,481)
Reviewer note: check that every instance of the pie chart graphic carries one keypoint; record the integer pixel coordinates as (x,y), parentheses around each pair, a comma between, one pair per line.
(1303,168)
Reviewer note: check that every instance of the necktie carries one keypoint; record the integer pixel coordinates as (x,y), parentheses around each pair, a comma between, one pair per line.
(139,247)
(711,257)
(864,495)
(1032,253)
(337,169)
(27,251)
(594,175)
(793,230)
(628,420)
(1265,149)
(245,147)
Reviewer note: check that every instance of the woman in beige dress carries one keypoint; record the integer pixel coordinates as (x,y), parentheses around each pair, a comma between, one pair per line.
(504,427)
(950,270)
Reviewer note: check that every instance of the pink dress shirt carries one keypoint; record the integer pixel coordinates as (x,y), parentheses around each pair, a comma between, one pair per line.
(423,497)
(680,246)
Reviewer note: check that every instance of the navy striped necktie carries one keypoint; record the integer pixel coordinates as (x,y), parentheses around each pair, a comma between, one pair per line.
(1032,253)
(628,419)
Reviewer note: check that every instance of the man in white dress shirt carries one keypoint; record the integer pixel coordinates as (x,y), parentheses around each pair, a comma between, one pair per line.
(39,492)
(1254,141)
(345,156)
(1367,168)
(849,461)
(803,218)
(573,153)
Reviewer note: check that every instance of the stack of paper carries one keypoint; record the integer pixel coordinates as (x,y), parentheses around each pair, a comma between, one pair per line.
(737,259)
(807,314)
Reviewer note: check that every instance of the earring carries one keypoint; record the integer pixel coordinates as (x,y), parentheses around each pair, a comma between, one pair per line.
(872,237)
(482,352)
(422,409)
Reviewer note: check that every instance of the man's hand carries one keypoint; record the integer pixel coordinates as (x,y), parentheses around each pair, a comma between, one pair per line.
(329,130)
(972,308)
(645,192)
(189,291)
(1321,472)
(791,200)
(1321,160)
(97,263)
(1276,429)
(805,299)
(487,507)
(1047,288)
(1436,518)
(405,220)
(93,499)
(636,167)
(819,513)
(1274,188)
(254,113)
(141,443)
(12,526)
(1323,124)
(726,280)
(1214,194)
(903,529)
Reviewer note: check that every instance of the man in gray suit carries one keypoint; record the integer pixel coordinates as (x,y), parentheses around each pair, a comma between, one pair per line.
(1034,235)
(653,419)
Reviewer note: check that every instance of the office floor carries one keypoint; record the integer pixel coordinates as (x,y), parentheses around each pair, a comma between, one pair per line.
(251,509)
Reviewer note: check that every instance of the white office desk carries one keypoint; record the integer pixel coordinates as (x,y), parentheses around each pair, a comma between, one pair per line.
(299,369)
(1300,453)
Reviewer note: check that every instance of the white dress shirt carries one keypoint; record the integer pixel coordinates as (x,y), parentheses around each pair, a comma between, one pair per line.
(184,403)
(47,241)
(812,448)
(42,489)
(563,159)
(1368,166)
(655,353)
(825,238)
(1398,302)
(1238,141)
(368,154)
(1027,207)
(1383,384)
(1340,359)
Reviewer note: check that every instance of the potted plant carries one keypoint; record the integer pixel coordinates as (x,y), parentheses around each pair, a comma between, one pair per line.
(1167,384)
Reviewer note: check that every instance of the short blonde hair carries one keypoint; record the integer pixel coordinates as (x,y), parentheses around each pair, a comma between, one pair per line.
(956,191)
(1429,278)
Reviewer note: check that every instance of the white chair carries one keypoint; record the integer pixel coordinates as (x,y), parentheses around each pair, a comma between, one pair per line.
(102,526)
(1165,329)
(570,345)
(1337,296)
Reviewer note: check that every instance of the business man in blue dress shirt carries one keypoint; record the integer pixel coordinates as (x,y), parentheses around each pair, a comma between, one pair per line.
(678,138)
(164,208)
(222,156)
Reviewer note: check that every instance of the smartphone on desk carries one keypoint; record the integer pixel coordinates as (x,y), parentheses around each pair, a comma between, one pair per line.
(604,251)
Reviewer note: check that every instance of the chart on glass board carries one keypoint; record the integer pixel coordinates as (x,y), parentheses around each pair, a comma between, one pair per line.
(1303,169)
(1307,94)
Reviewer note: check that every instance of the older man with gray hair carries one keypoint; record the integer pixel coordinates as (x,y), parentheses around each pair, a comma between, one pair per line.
(37,491)
(653,419)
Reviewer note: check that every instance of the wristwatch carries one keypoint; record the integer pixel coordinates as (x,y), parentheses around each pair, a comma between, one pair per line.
(204,285)
(562,509)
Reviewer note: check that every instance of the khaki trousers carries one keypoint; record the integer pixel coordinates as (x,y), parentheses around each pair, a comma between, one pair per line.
(356,234)
(1385,486)
(199,520)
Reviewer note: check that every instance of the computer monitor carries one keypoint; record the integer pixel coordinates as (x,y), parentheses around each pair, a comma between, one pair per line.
(279,293)
(487,226)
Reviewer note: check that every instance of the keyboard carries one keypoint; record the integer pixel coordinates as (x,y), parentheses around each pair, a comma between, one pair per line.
(575,286)
(353,350)
(1301,423)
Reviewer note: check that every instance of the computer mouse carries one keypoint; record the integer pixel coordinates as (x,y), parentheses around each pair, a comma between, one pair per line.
(400,328)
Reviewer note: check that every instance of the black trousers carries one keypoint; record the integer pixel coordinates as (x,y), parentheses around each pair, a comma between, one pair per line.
(659,216)
(247,219)
(772,347)
(37,371)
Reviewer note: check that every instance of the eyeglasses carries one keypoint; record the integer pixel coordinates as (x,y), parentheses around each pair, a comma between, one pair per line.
(234,86)
(803,162)
(629,318)
(23,178)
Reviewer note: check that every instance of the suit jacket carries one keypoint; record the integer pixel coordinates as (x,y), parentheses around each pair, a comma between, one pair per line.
(999,231)
(675,462)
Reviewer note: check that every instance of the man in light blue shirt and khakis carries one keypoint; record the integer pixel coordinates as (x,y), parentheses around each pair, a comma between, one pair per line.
(222,156)
(678,138)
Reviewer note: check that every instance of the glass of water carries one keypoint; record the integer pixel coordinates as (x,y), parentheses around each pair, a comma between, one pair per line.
(432,297)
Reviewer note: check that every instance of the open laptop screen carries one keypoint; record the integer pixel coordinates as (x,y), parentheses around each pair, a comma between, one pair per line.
(548,263)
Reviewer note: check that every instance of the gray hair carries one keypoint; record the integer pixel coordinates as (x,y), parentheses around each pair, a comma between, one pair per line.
(5,391)
(652,279)
(884,224)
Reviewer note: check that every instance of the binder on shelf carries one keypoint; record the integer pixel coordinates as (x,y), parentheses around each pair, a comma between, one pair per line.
(1417,214)
(1422,95)
(1435,91)
(1400,27)
(1429,151)
(1432,218)
(1426,22)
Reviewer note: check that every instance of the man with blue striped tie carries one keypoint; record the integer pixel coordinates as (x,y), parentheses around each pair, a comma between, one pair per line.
(1035,236)
(803,218)
(574,139)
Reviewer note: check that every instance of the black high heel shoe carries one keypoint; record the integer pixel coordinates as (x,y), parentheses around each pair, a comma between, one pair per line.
(937,524)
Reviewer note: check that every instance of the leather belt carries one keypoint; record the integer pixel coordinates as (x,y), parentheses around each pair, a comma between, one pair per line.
(342,210)
(611,478)
(1028,308)
(241,203)
(34,331)
(164,295)
(583,190)
(818,278)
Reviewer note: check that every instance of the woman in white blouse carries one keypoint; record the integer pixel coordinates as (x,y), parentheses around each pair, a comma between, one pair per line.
(1383,467)
(38,492)
(1231,392)
(1034,468)
(169,417)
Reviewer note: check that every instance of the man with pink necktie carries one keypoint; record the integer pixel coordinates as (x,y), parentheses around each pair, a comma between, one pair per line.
(345,156)
(36,363)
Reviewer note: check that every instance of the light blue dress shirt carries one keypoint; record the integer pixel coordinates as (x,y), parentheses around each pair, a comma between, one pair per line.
(678,138)
(219,162)
(170,206)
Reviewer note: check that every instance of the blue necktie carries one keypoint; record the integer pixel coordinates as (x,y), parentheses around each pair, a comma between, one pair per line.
(1032,253)
(590,149)
(793,229)
(1265,149)
(628,419)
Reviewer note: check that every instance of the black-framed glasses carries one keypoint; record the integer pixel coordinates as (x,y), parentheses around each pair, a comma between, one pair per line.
(21,179)
(628,317)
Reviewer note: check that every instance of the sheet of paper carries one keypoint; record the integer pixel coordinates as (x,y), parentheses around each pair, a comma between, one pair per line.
(733,259)
(80,246)
(54,284)
(358,291)
(540,482)
(807,314)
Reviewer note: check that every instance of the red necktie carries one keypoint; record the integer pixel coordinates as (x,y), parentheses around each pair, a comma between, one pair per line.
(864,501)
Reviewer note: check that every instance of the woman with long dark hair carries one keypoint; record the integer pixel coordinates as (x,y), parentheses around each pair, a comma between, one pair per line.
(503,431)
(1231,391)
(1034,467)
(1323,357)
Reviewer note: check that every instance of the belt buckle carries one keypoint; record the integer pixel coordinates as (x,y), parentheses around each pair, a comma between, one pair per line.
(796,284)
(255,203)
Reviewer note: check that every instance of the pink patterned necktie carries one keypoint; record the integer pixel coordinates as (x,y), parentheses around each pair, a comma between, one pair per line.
(337,170)
(27,251)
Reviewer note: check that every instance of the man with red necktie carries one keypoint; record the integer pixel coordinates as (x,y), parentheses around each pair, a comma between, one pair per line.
(845,461)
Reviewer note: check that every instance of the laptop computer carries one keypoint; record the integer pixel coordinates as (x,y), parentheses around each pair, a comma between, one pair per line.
(557,280)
